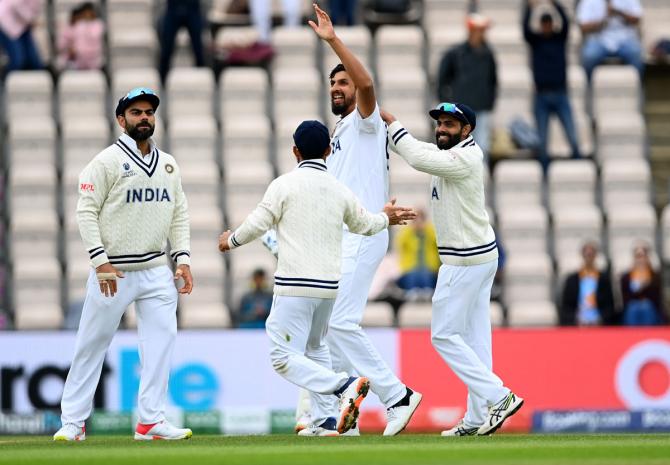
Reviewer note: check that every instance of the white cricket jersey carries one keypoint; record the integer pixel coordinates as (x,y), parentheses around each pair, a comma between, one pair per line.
(130,205)
(464,233)
(308,207)
(359,158)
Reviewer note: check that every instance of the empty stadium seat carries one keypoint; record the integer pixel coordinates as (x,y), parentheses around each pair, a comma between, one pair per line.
(625,182)
(295,47)
(571,183)
(83,139)
(404,91)
(440,40)
(399,47)
(29,94)
(517,182)
(243,92)
(193,140)
(132,48)
(615,87)
(628,223)
(296,96)
(528,278)
(541,313)
(358,40)
(573,225)
(32,141)
(246,147)
(523,229)
(82,94)
(190,92)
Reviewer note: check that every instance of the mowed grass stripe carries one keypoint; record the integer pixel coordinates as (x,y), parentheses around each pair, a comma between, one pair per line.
(370,450)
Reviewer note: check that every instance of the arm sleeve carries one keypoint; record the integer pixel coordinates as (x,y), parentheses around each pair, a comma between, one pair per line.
(267,213)
(94,185)
(180,234)
(361,221)
(565,27)
(372,124)
(527,33)
(426,157)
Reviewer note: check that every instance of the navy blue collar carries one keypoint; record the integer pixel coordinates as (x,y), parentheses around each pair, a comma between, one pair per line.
(135,155)
(316,163)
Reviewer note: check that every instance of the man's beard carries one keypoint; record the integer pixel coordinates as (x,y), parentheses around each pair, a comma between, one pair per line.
(339,109)
(452,139)
(141,132)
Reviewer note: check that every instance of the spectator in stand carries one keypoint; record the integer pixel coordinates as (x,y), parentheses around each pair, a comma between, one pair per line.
(261,16)
(468,75)
(547,39)
(419,260)
(343,12)
(641,290)
(17,18)
(80,44)
(178,14)
(610,29)
(587,293)
(255,305)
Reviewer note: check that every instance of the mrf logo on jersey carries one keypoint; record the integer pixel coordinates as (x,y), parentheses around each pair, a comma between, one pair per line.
(147,194)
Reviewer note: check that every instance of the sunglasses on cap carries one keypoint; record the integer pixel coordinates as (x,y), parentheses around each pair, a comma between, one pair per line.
(448,108)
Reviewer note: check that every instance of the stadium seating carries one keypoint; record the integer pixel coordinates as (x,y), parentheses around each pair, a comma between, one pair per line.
(232,134)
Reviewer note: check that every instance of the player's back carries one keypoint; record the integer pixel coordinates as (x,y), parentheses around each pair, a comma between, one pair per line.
(313,209)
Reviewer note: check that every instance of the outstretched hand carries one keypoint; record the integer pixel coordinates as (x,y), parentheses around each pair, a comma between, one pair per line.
(324,29)
(397,214)
(223,240)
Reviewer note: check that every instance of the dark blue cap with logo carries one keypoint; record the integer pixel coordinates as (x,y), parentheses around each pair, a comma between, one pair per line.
(138,93)
(312,138)
(460,111)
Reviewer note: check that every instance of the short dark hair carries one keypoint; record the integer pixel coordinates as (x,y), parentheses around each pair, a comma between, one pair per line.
(337,69)
(258,273)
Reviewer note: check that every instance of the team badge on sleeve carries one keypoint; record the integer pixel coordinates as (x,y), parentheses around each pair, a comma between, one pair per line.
(169,168)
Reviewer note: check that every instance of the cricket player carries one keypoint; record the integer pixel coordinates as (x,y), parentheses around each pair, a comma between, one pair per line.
(461,325)
(308,207)
(360,161)
(130,203)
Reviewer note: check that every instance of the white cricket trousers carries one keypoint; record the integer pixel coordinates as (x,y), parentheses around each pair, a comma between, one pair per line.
(155,297)
(461,333)
(297,327)
(351,349)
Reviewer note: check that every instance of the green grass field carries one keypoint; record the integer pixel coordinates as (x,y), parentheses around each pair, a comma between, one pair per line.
(369,450)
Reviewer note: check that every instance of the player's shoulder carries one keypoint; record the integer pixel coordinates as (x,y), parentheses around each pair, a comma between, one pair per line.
(110,155)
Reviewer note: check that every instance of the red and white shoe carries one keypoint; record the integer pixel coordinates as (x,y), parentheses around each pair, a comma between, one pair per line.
(162,430)
(71,432)
(351,399)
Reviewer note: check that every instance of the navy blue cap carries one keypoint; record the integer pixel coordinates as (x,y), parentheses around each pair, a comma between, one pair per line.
(312,138)
(138,93)
(460,111)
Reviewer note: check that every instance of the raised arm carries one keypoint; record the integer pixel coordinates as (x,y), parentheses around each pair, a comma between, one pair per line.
(365,91)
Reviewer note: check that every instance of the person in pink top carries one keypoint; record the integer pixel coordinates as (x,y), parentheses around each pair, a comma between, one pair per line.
(16,20)
(80,43)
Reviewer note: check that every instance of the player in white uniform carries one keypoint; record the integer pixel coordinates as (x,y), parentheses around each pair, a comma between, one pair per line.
(308,207)
(461,323)
(130,203)
(360,161)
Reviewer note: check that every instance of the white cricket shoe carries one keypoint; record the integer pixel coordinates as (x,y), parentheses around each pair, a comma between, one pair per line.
(70,432)
(352,397)
(353,431)
(461,429)
(397,417)
(327,428)
(499,412)
(303,422)
(161,430)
